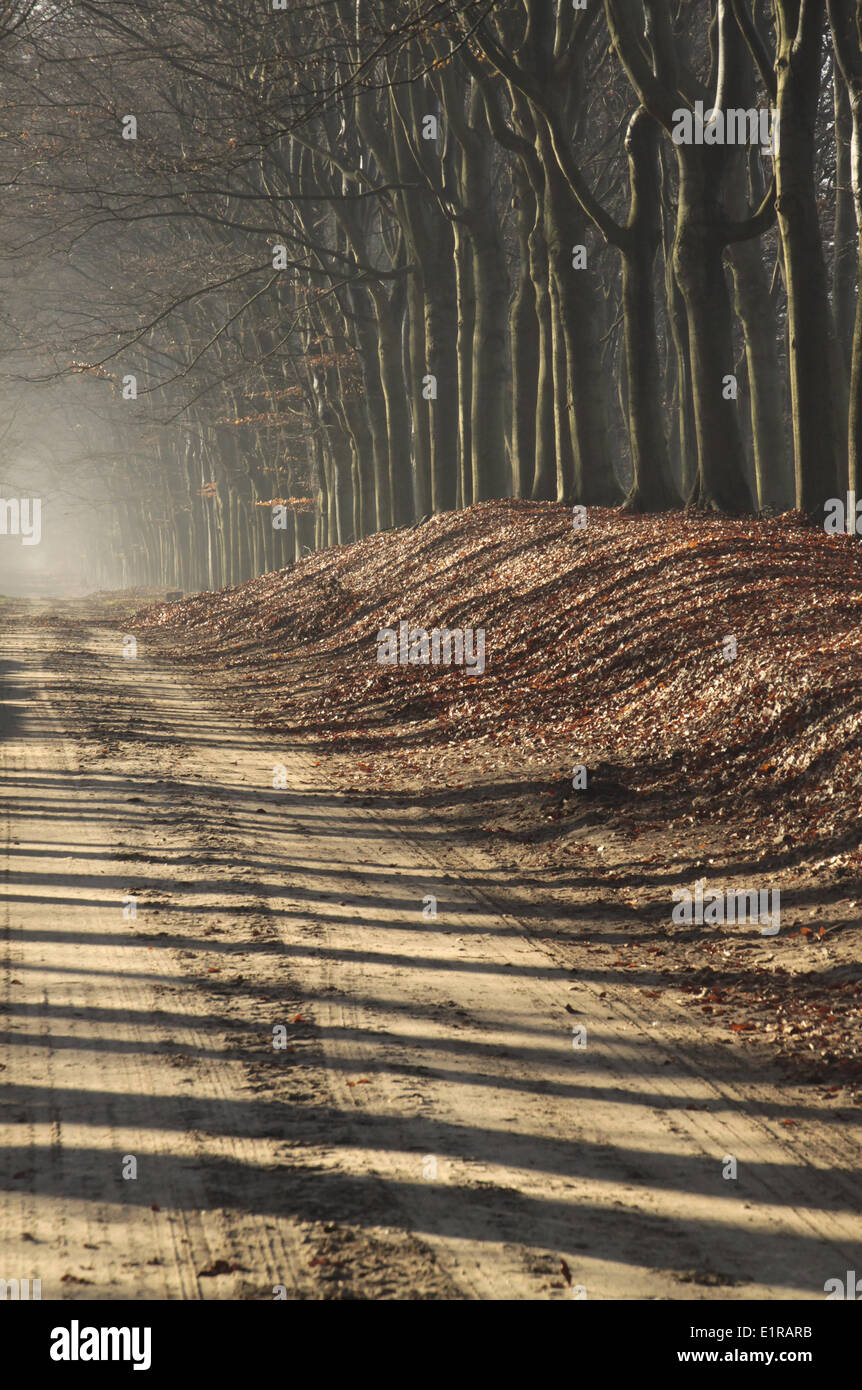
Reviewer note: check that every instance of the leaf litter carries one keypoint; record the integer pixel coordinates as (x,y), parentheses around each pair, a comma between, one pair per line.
(738,762)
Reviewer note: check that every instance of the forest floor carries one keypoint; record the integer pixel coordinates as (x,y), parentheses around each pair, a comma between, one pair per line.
(434,1126)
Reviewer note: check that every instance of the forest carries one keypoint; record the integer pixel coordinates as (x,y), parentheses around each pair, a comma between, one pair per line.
(296,273)
(430,700)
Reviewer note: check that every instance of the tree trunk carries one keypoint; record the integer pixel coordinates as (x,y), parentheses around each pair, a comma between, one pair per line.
(466,321)
(589,477)
(420,406)
(845,252)
(813,352)
(544,474)
(441,356)
(524,338)
(721,483)
(489,368)
(652,485)
(755,310)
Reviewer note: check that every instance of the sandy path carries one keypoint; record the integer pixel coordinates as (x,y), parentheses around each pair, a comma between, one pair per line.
(429,1130)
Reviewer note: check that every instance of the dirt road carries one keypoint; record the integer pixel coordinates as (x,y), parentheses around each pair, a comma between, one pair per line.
(430,1128)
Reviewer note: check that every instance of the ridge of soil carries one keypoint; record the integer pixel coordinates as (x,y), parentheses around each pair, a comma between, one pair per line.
(605,646)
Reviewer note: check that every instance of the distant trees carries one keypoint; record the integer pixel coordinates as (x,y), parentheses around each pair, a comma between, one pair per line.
(330,269)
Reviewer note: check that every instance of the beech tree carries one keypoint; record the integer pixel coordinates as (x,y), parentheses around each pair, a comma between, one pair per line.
(323,272)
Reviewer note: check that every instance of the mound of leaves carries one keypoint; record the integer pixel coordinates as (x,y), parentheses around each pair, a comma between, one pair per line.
(697,656)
